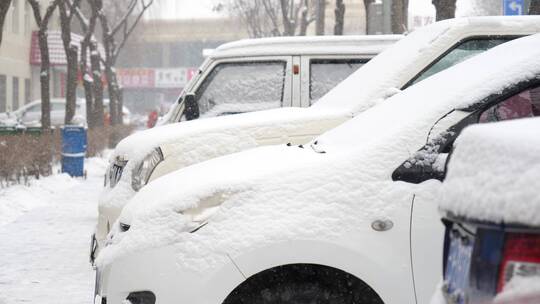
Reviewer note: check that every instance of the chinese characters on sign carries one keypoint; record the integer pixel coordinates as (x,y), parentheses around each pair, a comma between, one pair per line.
(155,78)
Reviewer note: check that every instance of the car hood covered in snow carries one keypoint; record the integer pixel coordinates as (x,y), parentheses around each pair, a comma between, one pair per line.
(337,183)
(496,167)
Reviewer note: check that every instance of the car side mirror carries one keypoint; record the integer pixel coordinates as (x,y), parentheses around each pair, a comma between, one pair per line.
(191,107)
(422,166)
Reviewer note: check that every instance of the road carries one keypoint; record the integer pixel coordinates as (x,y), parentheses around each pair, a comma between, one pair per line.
(44,252)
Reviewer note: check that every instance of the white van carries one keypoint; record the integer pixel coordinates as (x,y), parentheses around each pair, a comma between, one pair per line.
(238,77)
(351,217)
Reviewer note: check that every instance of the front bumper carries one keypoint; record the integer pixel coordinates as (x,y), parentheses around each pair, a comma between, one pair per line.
(157,273)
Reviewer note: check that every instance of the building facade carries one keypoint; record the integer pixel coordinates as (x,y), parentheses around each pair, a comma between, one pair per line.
(15,70)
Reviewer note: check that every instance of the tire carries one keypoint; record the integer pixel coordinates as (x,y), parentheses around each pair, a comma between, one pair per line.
(304,285)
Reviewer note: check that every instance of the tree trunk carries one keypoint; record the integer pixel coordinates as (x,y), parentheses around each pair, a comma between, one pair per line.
(45,79)
(4,7)
(304,20)
(87,84)
(71,83)
(367,8)
(445,9)
(98,113)
(340,17)
(288,28)
(320,10)
(399,16)
(534,9)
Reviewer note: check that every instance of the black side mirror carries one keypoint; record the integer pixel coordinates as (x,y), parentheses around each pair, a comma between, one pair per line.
(422,166)
(191,107)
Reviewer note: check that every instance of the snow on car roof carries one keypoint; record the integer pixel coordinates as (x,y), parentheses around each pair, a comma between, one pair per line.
(496,167)
(307,45)
(393,68)
(317,191)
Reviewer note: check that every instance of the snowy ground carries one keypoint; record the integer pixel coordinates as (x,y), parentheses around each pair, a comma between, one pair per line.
(44,239)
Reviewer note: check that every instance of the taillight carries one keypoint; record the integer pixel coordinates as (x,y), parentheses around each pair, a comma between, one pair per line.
(521,257)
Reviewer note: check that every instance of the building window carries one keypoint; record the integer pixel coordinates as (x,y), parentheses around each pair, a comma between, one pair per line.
(3,96)
(15,19)
(27,93)
(15,103)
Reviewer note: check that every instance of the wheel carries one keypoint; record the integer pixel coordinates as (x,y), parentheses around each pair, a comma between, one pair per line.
(300,284)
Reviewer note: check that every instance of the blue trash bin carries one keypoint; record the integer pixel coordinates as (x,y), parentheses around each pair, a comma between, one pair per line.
(73,150)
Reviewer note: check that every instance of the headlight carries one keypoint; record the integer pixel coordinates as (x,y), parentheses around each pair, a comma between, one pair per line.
(141,174)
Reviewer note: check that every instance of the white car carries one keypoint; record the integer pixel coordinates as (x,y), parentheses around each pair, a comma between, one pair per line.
(351,217)
(145,156)
(30,114)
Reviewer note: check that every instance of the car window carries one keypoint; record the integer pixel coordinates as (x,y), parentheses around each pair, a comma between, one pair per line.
(34,109)
(325,74)
(460,53)
(525,104)
(242,87)
(57,106)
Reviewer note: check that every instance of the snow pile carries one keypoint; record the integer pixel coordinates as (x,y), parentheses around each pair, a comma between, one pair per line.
(497,168)
(18,200)
(318,191)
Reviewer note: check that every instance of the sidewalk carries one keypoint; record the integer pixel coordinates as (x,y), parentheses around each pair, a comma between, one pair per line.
(44,252)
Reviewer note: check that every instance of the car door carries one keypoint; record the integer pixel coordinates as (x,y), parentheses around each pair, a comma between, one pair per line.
(235,86)
(427,168)
(321,73)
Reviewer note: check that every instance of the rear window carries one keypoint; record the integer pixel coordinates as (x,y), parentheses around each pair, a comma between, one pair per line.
(326,74)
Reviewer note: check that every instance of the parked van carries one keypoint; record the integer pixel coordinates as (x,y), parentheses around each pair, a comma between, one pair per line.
(145,156)
(491,209)
(350,217)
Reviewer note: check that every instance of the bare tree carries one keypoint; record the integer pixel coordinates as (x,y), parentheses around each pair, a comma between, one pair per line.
(68,10)
(4,8)
(320,14)
(534,8)
(114,39)
(445,9)
(265,18)
(45,77)
(367,9)
(340,17)
(399,16)
(93,86)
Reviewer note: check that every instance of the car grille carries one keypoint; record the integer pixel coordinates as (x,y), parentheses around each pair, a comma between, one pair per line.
(115,172)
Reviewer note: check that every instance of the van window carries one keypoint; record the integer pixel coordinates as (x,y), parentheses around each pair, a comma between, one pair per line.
(58,106)
(460,53)
(242,87)
(522,105)
(325,74)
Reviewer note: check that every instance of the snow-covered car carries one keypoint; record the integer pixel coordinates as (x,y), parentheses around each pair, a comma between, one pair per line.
(491,208)
(351,217)
(145,156)
(244,76)
(30,114)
